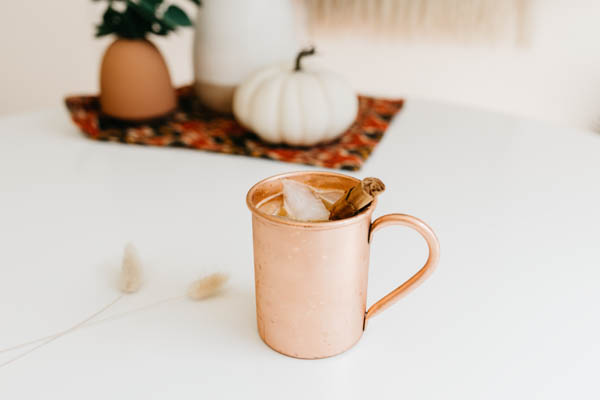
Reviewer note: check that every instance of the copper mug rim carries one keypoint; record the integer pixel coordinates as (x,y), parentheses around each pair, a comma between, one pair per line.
(366,213)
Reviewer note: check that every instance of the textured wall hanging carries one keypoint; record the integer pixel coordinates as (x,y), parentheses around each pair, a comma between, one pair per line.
(451,20)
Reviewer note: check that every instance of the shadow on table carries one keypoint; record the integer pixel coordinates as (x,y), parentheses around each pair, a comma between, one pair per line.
(232,316)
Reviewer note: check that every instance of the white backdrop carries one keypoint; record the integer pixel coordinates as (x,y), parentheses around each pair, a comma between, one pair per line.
(48,50)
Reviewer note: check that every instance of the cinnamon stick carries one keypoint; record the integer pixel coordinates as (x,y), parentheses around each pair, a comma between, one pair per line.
(356,198)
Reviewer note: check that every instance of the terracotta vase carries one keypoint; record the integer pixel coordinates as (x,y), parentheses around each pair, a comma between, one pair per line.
(235,38)
(135,82)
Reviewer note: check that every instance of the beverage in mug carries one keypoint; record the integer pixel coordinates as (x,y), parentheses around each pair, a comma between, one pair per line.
(311,276)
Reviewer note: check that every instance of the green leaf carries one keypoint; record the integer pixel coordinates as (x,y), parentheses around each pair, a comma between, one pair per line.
(111,20)
(140,18)
(176,16)
(197,2)
(155,2)
(103,30)
(150,4)
(136,24)
(111,17)
(143,9)
(143,17)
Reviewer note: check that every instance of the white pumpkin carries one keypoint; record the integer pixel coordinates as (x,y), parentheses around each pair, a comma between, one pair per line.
(287,104)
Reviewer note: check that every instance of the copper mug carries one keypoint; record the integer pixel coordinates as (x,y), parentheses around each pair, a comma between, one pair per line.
(311,277)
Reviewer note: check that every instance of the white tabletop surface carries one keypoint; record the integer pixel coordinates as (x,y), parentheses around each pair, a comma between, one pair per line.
(512,312)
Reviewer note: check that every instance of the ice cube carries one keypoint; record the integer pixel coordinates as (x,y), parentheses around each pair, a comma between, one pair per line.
(272,205)
(330,197)
(301,202)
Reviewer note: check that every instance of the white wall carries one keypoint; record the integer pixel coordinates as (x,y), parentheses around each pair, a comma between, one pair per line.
(48,51)
(556,78)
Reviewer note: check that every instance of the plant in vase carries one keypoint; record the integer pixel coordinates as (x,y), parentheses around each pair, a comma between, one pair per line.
(134,79)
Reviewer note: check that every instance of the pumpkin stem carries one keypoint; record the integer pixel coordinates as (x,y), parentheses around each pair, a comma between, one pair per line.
(303,53)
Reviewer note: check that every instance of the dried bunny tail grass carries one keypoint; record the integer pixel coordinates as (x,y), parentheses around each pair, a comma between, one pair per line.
(129,282)
(207,286)
(60,334)
(90,323)
(131,270)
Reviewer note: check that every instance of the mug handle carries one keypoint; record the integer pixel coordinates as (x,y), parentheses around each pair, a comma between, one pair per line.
(430,264)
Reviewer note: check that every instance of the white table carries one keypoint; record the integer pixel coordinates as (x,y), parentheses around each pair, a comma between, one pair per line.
(512,312)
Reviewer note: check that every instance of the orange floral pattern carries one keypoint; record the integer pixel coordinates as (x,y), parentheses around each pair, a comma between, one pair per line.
(193,126)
